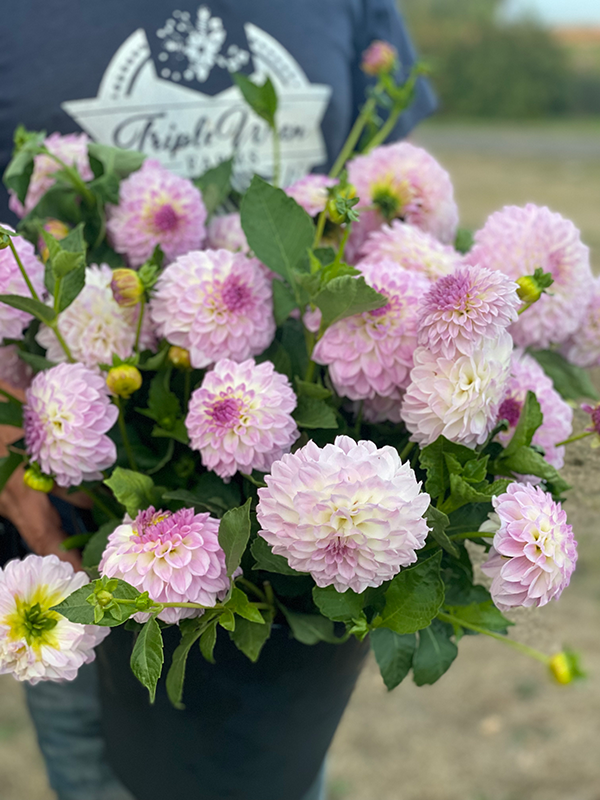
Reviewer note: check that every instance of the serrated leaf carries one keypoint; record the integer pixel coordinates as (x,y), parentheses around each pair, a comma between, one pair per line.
(234,532)
(70,287)
(313,413)
(570,381)
(34,307)
(115,159)
(346,296)
(178,432)
(434,655)
(265,559)
(338,606)
(530,419)
(413,597)
(76,608)
(484,614)
(433,459)
(147,657)
(208,641)
(249,637)
(438,522)
(239,604)
(132,489)
(309,628)
(526,461)
(284,301)
(190,633)
(261,99)
(394,654)
(308,389)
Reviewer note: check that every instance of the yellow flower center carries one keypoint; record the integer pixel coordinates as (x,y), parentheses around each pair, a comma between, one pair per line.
(33,621)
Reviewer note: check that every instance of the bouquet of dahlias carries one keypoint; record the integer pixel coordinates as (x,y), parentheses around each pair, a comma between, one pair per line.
(306,406)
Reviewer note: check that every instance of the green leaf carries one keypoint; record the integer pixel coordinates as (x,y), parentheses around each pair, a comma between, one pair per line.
(163,404)
(530,419)
(278,230)
(71,286)
(178,432)
(265,559)
(191,630)
(309,628)
(132,489)
(92,552)
(526,461)
(208,641)
(464,240)
(284,301)
(463,492)
(438,522)
(11,412)
(114,159)
(215,185)
(249,637)
(570,381)
(345,296)
(239,604)
(39,363)
(413,597)
(308,389)
(210,494)
(433,459)
(76,608)
(234,532)
(34,307)
(8,465)
(20,168)
(484,614)
(313,413)
(434,655)
(227,620)
(147,657)
(394,654)
(261,99)
(338,606)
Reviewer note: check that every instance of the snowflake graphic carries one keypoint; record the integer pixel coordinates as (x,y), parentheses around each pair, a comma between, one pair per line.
(197,48)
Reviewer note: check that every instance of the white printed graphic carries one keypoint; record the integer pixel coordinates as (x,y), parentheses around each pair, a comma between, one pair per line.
(189,131)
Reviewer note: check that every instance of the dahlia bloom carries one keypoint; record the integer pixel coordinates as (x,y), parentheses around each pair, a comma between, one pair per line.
(72,150)
(527,375)
(383,409)
(37,644)
(463,308)
(583,347)
(350,514)
(226,233)
(95,327)
(406,182)
(66,417)
(310,192)
(12,321)
(371,353)
(13,369)
(156,207)
(534,552)
(241,417)
(216,304)
(412,249)
(517,241)
(457,397)
(175,557)
(379,57)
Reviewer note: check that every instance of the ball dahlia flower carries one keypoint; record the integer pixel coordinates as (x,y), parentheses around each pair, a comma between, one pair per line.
(406,182)
(12,321)
(583,347)
(175,557)
(72,150)
(37,644)
(534,552)
(371,353)
(241,417)
(350,514)
(527,375)
(412,249)
(226,233)
(216,304)
(463,308)
(13,369)
(517,241)
(95,327)
(156,207)
(310,192)
(66,417)
(457,397)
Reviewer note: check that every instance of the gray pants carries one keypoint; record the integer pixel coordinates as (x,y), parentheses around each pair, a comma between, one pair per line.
(68,725)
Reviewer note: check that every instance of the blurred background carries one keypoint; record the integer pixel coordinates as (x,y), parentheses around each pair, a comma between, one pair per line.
(519,121)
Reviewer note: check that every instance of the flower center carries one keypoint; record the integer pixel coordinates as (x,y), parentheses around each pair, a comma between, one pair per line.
(510,410)
(166,218)
(33,621)
(390,197)
(236,295)
(225,412)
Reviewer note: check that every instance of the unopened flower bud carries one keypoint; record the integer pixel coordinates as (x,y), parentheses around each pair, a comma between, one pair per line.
(124,380)
(57,229)
(380,57)
(37,480)
(127,288)
(565,667)
(346,193)
(528,290)
(104,598)
(179,357)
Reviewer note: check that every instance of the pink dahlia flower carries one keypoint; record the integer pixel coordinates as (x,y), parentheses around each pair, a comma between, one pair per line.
(13,370)
(226,233)
(371,353)
(175,557)
(37,644)
(216,304)
(534,552)
(379,57)
(72,150)
(95,326)
(350,514)
(12,321)
(583,347)
(383,409)
(527,375)
(462,309)
(156,207)
(517,241)
(66,417)
(241,417)
(310,192)
(457,397)
(412,249)
(406,182)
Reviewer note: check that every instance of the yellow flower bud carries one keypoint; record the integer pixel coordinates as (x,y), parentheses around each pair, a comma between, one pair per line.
(124,380)
(37,480)
(563,668)
(127,287)
(179,357)
(57,229)
(529,290)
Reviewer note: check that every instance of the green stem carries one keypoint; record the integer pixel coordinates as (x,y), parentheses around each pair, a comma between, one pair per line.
(522,648)
(401,104)
(345,237)
(260,484)
(320,228)
(124,436)
(310,371)
(32,291)
(575,438)
(253,588)
(75,178)
(100,503)
(138,332)
(406,450)
(67,351)
(276,156)
(353,137)
(57,294)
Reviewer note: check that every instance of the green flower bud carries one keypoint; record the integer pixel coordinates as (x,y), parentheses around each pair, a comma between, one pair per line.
(127,288)
(36,479)
(565,667)
(179,357)
(528,290)
(124,380)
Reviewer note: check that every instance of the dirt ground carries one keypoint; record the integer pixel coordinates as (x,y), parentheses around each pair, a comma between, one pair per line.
(494,727)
